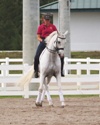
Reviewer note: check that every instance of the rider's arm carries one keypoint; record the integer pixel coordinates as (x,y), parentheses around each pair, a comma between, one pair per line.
(39,38)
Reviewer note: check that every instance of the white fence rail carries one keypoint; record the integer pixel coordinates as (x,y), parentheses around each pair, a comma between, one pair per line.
(82,76)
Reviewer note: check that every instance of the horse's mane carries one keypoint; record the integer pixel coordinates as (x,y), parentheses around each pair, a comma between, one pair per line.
(48,38)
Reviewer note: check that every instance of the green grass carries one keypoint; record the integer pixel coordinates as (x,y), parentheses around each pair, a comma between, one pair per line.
(10,97)
(91,54)
(54,96)
(11,54)
(82,54)
(76,96)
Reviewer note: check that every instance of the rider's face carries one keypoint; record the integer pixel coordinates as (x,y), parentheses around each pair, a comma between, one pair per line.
(46,22)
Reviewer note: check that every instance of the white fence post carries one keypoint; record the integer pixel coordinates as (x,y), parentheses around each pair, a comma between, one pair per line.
(88,62)
(26,91)
(7,63)
(26,87)
(78,74)
(3,72)
(99,79)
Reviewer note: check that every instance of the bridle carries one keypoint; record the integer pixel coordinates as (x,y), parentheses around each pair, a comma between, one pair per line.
(56,48)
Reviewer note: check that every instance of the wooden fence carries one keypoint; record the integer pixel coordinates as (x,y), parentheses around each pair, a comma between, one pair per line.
(82,76)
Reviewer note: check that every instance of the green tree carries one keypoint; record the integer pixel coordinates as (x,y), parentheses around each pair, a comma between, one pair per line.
(10,24)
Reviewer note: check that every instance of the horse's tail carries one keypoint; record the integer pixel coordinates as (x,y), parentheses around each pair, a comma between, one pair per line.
(26,78)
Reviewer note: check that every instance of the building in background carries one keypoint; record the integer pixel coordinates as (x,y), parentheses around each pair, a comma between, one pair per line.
(84,23)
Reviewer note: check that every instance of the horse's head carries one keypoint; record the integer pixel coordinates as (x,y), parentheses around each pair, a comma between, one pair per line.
(57,42)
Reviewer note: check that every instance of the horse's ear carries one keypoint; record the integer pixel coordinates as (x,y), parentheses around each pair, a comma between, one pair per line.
(65,34)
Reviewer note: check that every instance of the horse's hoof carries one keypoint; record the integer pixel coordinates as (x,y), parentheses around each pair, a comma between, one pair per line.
(63,105)
(51,105)
(38,104)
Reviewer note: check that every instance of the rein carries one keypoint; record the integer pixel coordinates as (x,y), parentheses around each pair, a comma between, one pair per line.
(56,48)
(51,51)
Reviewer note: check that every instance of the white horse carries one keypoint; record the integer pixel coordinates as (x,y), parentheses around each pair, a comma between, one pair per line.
(50,65)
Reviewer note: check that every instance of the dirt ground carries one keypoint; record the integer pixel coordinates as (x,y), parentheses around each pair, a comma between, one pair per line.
(78,111)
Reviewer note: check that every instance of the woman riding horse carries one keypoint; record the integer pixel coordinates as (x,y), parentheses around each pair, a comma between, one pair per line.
(44,30)
(50,65)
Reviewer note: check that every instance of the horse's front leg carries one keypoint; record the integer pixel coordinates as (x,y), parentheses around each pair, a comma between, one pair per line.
(58,77)
(46,89)
(38,100)
(43,94)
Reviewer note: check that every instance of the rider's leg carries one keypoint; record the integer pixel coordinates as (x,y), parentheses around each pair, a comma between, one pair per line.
(62,65)
(36,58)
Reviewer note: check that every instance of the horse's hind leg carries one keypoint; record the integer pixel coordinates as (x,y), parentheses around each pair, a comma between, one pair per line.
(44,90)
(60,91)
(38,100)
(48,96)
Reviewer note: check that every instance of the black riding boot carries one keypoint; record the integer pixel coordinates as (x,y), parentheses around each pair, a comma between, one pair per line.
(40,48)
(36,63)
(62,65)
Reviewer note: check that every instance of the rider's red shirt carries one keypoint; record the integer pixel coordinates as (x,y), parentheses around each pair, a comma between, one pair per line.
(44,30)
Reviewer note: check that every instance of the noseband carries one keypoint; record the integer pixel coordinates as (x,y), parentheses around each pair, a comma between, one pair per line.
(56,48)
